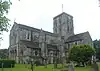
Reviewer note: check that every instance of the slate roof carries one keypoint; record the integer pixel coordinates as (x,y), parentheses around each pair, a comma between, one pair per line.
(30,43)
(77,37)
(36,30)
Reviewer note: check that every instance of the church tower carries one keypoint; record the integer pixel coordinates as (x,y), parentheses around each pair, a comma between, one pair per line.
(63,25)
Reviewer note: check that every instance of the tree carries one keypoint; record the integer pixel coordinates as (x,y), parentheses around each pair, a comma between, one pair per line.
(4,21)
(81,53)
(96,44)
(3,53)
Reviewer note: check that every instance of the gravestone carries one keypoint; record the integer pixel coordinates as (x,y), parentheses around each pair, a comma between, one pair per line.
(95,66)
(71,67)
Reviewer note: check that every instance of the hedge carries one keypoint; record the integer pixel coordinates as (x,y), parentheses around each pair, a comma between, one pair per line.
(7,63)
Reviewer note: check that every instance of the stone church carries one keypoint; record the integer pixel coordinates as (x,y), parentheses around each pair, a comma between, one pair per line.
(27,43)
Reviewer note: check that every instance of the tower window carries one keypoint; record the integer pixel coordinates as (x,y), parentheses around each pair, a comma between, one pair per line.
(68,28)
(59,20)
(55,22)
(56,30)
(71,29)
(59,29)
(68,21)
(27,35)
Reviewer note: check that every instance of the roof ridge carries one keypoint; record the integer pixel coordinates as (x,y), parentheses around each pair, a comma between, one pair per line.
(79,36)
(81,33)
(37,29)
(29,26)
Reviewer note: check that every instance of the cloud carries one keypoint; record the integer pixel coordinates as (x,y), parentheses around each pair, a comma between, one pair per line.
(40,13)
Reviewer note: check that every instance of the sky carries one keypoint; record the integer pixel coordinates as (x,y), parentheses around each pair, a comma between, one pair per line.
(40,13)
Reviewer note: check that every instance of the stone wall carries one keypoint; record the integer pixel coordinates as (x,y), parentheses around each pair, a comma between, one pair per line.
(62,29)
(88,40)
(63,25)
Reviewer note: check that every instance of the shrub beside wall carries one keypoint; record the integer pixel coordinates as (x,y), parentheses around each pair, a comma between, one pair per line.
(7,63)
(37,63)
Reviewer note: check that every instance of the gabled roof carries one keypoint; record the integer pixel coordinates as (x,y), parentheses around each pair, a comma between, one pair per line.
(31,44)
(36,30)
(77,37)
(28,28)
(13,26)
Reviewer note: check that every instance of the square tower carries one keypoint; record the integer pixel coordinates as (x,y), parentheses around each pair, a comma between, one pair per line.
(63,25)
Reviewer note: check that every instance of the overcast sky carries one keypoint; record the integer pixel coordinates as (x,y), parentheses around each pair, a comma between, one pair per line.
(40,13)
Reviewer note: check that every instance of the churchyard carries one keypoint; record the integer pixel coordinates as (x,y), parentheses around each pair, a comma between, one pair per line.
(23,67)
(83,62)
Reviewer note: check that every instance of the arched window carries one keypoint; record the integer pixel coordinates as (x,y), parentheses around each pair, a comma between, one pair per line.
(68,28)
(27,35)
(55,22)
(36,52)
(60,29)
(60,20)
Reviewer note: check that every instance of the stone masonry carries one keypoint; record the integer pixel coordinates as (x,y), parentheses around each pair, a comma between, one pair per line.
(28,42)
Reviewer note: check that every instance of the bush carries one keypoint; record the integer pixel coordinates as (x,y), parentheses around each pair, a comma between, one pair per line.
(81,54)
(37,63)
(7,63)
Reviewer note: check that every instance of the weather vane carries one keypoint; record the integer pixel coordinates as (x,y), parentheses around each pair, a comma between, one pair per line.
(62,7)
(14,19)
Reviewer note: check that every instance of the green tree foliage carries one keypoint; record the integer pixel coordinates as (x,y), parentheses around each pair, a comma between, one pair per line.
(4,21)
(3,53)
(96,44)
(81,53)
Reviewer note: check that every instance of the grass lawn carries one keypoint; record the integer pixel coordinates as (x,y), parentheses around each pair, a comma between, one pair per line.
(21,67)
(85,68)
